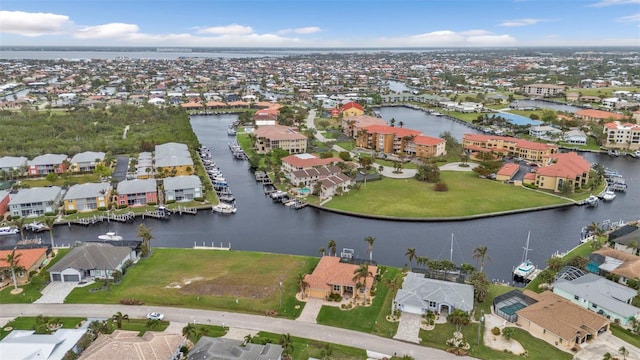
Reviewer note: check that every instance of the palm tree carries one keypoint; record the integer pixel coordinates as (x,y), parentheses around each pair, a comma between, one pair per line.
(322,251)
(607,356)
(370,240)
(624,352)
(411,254)
(13,260)
(362,272)
(145,234)
(332,246)
(466,268)
(19,223)
(302,284)
(118,317)
(191,331)
(247,339)
(287,345)
(459,318)
(50,221)
(480,254)
(555,263)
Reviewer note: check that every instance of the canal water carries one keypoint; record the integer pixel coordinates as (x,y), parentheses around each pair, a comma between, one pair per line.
(262,225)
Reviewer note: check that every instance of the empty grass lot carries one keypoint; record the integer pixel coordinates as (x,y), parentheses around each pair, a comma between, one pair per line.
(308,348)
(207,279)
(468,195)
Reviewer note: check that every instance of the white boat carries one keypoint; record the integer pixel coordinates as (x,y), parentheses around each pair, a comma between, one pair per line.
(224,209)
(609,195)
(110,236)
(526,267)
(9,230)
(36,227)
(592,201)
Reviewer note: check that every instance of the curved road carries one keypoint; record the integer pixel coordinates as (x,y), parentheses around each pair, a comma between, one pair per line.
(236,320)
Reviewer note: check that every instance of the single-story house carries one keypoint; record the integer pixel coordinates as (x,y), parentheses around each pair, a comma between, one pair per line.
(91,261)
(611,261)
(626,239)
(420,294)
(182,188)
(137,192)
(26,344)
(87,197)
(35,201)
(331,275)
(598,294)
(29,260)
(560,322)
(86,161)
(122,344)
(230,349)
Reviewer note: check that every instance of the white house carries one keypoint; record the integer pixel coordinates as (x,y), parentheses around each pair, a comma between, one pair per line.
(92,260)
(577,137)
(420,294)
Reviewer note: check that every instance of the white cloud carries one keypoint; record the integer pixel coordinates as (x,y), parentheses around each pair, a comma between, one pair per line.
(106,31)
(233,29)
(520,22)
(33,24)
(603,3)
(448,38)
(302,30)
(630,18)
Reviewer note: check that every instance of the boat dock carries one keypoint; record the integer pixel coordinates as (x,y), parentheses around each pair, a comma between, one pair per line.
(124,218)
(184,210)
(534,274)
(212,247)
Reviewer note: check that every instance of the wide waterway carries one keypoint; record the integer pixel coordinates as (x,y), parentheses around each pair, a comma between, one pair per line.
(261,225)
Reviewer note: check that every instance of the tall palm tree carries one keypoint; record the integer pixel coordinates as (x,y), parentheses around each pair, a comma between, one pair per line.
(370,240)
(459,318)
(332,246)
(287,345)
(144,233)
(118,317)
(247,339)
(13,260)
(191,331)
(362,273)
(302,284)
(50,221)
(411,254)
(19,223)
(624,352)
(480,254)
(322,251)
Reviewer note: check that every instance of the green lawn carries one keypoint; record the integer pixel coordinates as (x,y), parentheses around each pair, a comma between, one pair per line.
(307,348)
(409,198)
(207,279)
(625,335)
(467,117)
(602,91)
(390,163)
(494,290)
(348,145)
(59,181)
(369,319)
(140,325)
(30,292)
(537,349)
(29,323)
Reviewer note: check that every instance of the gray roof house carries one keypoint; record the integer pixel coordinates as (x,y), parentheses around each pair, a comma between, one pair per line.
(626,239)
(35,201)
(47,163)
(137,192)
(598,294)
(182,188)
(87,197)
(420,294)
(172,154)
(91,261)
(9,163)
(86,161)
(210,348)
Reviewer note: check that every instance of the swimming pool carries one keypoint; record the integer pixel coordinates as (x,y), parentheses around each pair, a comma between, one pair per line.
(519,119)
(304,191)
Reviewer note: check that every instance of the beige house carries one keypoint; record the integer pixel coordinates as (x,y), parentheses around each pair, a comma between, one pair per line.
(271,137)
(560,322)
(333,276)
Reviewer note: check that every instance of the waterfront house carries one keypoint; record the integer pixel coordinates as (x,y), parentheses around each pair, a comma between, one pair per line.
(575,137)
(352,108)
(86,161)
(137,192)
(30,260)
(560,322)
(306,161)
(87,197)
(597,115)
(182,188)
(336,184)
(624,136)
(626,239)
(544,132)
(309,177)
(123,344)
(352,124)
(598,294)
(427,147)
(562,169)
(607,261)
(144,166)
(333,276)
(270,137)
(13,166)
(527,150)
(230,349)
(91,260)
(35,201)
(172,159)
(46,164)
(420,294)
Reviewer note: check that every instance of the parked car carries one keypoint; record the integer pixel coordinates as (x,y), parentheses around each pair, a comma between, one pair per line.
(155,316)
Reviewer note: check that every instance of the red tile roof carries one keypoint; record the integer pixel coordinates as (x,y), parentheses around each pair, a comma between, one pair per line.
(26,260)
(278,132)
(521,143)
(351,105)
(569,165)
(618,125)
(330,271)
(427,140)
(508,169)
(385,129)
(306,162)
(598,114)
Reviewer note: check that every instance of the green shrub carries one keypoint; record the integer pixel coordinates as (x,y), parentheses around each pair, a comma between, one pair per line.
(51,213)
(69,212)
(495,331)
(441,187)
(14,217)
(152,203)
(123,206)
(199,198)
(102,208)
(171,201)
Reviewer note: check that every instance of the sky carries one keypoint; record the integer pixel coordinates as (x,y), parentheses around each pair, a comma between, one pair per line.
(320,23)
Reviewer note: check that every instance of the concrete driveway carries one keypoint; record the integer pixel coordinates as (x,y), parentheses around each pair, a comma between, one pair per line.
(606,343)
(409,328)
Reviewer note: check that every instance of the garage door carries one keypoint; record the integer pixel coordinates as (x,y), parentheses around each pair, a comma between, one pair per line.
(68,278)
(55,277)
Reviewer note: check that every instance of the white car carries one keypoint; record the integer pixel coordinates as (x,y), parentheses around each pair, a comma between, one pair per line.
(155,316)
